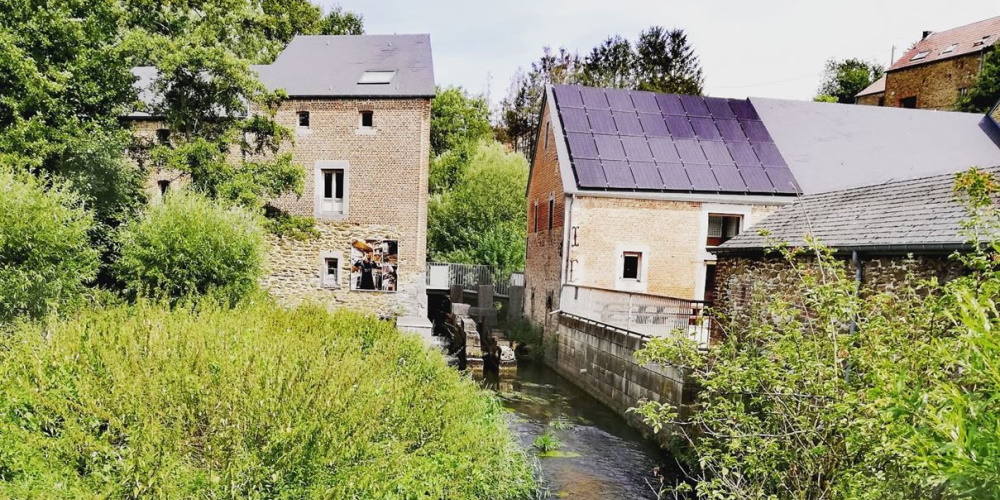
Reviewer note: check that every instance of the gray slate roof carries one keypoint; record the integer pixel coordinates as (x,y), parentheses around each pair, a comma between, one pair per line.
(912,215)
(330,66)
(833,146)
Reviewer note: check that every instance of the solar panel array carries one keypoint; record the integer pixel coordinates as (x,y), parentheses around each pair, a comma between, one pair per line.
(635,140)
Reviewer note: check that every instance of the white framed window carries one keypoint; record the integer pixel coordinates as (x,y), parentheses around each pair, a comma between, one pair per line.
(379,77)
(631,266)
(331,189)
(329,270)
(722,228)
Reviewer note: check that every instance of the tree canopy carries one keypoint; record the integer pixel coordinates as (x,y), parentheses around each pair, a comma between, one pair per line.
(843,79)
(985,91)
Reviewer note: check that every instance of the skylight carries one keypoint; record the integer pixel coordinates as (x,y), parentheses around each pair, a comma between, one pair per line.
(921,55)
(377,77)
(951,48)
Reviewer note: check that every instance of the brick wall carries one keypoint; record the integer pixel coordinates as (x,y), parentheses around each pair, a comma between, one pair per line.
(543,265)
(387,197)
(936,85)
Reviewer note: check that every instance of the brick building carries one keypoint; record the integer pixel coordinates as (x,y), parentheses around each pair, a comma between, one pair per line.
(360,109)
(937,70)
(885,231)
(632,192)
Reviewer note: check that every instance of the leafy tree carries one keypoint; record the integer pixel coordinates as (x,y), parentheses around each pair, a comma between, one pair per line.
(458,122)
(843,79)
(341,22)
(190,246)
(482,220)
(820,388)
(667,63)
(610,64)
(45,253)
(985,91)
(520,109)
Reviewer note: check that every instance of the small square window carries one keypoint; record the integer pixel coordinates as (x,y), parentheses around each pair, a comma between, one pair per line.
(163,137)
(304,119)
(331,272)
(164,186)
(908,102)
(722,228)
(367,119)
(631,265)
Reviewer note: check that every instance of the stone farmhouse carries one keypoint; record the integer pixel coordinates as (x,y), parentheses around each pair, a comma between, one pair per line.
(360,109)
(937,70)
(885,231)
(631,193)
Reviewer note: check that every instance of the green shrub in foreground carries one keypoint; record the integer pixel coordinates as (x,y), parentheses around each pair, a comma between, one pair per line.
(45,251)
(253,402)
(190,246)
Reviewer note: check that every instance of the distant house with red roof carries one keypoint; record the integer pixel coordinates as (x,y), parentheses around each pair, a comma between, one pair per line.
(937,70)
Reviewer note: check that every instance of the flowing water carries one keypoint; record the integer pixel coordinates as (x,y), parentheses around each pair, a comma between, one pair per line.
(599,457)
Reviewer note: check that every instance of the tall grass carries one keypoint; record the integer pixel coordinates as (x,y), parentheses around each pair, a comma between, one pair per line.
(255,402)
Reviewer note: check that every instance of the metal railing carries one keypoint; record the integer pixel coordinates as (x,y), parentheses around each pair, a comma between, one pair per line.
(644,314)
(442,275)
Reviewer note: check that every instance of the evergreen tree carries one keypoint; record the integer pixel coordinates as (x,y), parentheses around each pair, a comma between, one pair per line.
(667,63)
(610,64)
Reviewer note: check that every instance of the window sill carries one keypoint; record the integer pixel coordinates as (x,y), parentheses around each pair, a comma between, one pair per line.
(303,131)
(326,216)
(366,131)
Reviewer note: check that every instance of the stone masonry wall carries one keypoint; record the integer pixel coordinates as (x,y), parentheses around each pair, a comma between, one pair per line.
(738,278)
(543,265)
(936,85)
(871,99)
(602,362)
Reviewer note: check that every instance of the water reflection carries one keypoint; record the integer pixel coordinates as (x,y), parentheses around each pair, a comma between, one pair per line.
(605,458)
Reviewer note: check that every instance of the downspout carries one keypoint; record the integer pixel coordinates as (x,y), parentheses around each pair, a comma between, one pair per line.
(858,277)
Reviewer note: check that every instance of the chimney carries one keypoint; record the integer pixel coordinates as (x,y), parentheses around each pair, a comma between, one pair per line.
(926,34)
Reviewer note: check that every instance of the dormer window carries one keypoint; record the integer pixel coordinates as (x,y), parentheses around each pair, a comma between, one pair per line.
(377,77)
(303,119)
(367,119)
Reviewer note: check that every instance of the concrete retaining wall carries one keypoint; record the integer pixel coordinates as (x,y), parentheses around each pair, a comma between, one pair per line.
(600,360)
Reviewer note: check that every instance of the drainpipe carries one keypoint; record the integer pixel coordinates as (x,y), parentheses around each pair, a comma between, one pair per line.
(858,277)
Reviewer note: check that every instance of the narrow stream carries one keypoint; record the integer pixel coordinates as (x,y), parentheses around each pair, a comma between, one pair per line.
(599,457)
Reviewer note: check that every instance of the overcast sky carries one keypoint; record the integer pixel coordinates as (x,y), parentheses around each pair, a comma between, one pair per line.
(765,48)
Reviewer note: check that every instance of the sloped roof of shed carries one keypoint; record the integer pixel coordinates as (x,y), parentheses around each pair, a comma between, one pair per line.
(912,215)
(878,86)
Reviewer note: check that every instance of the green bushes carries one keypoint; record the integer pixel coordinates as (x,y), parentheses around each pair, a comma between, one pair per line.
(45,251)
(252,402)
(191,246)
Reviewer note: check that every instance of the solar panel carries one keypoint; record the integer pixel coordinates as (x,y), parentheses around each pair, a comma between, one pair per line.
(731,130)
(619,99)
(690,151)
(627,123)
(637,149)
(619,175)
(646,175)
(717,153)
(609,147)
(663,150)
(669,104)
(653,125)
(743,109)
(704,129)
(673,176)
(679,127)
(743,154)
(589,174)
(769,155)
(701,177)
(783,180)
(601,121)
(755,130)
(645,102)
(575,120)
(568,96)
(694,105)
(729,179)
(719,108)
(581,145)
(594,98)
(757,180)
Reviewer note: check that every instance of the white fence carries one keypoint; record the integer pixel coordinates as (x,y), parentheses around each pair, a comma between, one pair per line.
(649,315)
(442,275)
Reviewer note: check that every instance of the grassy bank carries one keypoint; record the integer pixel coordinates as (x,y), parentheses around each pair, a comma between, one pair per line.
(256,402)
